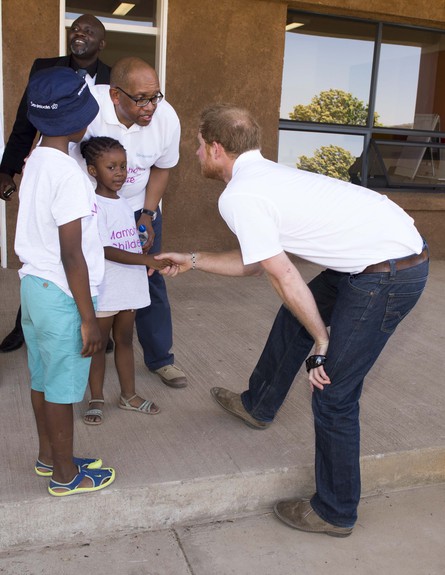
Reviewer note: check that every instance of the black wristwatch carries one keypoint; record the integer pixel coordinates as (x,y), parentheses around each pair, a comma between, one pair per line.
(150,213)
(315,361)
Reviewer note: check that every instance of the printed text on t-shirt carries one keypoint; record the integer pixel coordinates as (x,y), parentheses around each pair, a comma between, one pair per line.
(132,174)
(127,239)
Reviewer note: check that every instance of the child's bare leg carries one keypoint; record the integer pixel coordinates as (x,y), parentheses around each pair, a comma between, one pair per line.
(124,357)
(60,429)
(38,405)
(97,369)
(60,447)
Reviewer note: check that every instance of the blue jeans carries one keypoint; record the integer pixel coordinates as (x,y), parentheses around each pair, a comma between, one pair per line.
(154,322)
(363,311)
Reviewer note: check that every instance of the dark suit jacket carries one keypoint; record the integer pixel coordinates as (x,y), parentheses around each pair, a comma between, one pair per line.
(23,132)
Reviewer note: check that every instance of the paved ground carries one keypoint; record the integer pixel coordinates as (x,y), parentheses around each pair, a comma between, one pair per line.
(401,533)
(193,463)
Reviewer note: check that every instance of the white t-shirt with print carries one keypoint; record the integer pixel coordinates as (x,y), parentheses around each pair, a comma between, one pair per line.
(124,286)
(273,208)
(54,192)
(154,145)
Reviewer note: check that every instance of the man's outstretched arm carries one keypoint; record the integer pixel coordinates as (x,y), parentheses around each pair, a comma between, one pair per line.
(228,263)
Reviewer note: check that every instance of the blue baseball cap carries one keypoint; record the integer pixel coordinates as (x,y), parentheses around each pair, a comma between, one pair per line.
(60,102)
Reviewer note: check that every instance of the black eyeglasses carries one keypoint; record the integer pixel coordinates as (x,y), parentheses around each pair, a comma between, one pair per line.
(141,102)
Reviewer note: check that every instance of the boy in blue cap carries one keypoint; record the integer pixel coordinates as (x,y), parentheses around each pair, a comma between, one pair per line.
(58,243)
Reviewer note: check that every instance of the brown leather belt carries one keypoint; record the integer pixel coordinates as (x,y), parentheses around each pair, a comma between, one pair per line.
(400,264)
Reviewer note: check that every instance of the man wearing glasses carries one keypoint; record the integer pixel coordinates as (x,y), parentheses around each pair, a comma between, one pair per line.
(134,112)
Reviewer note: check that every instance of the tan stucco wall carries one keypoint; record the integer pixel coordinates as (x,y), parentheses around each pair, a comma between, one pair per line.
(30,30)
(217,52)
(428,212)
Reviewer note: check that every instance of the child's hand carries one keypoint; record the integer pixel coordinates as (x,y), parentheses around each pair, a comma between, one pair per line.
(158,264)
(164,263)
(91,338)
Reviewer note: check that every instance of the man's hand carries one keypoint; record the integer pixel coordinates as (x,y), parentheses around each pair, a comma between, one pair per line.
(156,264)
(145,220)
(177,263)
(6,183)
(318,378)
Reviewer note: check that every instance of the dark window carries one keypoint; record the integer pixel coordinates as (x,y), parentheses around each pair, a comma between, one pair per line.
(364,101)
(131,27)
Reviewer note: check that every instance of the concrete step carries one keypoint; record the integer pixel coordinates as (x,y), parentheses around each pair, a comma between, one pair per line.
(398,533)
(156,506)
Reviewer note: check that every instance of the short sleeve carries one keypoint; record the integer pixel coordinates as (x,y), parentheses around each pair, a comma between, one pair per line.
(102,225)
(71,197)
(255,222)
(171,132)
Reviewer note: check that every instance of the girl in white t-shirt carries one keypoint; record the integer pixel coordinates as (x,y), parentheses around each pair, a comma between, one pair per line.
(124,288)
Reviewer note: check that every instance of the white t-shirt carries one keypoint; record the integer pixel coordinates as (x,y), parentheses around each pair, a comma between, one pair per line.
(54,192)
(273,208)
(154,145)
(124,286)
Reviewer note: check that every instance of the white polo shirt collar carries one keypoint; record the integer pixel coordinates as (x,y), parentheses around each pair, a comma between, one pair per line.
(110,117)
(244,158)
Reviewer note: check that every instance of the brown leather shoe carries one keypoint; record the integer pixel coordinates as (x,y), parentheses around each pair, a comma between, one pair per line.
(232,403)
(172,376)
(300,515)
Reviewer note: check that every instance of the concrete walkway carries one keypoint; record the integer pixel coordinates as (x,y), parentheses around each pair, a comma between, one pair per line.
(193,463)
(401,533)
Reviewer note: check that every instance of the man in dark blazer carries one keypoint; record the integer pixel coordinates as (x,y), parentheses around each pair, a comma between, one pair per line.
(86,39)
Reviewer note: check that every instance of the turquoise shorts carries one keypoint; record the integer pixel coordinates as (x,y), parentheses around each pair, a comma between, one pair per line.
(51,326)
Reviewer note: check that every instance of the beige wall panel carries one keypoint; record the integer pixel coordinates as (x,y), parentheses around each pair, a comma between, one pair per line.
(225,51)
(30,31)
(427,210)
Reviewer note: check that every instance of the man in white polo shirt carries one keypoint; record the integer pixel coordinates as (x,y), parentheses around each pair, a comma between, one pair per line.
(376,269)
(134,112)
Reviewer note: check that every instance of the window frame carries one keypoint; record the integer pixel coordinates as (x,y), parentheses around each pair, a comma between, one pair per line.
(368,132)
(159,31)
(3,231)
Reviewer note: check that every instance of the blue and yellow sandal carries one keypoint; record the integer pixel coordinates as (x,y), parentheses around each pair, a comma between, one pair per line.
(100,478)
(44,470)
